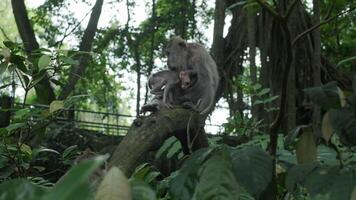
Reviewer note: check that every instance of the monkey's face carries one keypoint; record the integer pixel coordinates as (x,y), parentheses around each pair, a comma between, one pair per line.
(187,80)
(177,54)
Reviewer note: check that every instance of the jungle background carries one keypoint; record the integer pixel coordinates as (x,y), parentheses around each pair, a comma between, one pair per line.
(73,78)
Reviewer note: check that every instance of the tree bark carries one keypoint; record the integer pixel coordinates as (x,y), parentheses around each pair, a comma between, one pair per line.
(251,29)
(149,133)
(86,45)
(316,60)
(44,90)
(138,77)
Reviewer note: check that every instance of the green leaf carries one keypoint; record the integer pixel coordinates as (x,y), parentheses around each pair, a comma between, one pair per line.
(69,61)
(216,179)
(55,106)
(347,60)
(175,149)
(264,91)
(75,182)
(43,149)
(44,61)
(183,185)
(344,185)
(19,62)
(10,44)
(165,147)
(114,186)
(68,151)
(326,96)
(321,180)
(146,173)
(14,126)
(252,168)
(3,67)
(19,189)
(142,191)
(344,123)
(297,174)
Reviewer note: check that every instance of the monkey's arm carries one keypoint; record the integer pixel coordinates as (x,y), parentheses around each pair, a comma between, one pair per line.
(157,88)
(167,95)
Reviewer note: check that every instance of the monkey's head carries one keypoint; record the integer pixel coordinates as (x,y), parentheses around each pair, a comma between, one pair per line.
(177,53)
(187,79)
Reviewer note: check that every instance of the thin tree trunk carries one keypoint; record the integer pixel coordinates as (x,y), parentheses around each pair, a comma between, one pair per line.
(77,71)
(316,59)
(44,90)
(251,29)
(153,31)
(138,78)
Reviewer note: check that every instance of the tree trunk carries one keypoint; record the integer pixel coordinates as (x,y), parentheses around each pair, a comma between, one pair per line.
(251,29)
(138,78)
(316,60)
(77,71)
(149,133)
(44,90)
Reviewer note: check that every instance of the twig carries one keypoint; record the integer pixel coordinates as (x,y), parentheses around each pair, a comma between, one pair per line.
(318,25)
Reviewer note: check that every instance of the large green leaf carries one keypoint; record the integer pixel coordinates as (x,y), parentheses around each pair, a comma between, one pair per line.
(344,186)
(44,61)
(344,123)
(142,191)
(72,185)
(296,175)
(19,189)
(326,96)
(216,179)
(252,168)
(183,185)
(321,179)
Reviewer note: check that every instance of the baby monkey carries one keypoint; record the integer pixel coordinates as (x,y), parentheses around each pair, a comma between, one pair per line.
(168,87)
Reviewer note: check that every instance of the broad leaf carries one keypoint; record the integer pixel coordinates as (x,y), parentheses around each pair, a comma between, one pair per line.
(344,123)
(55,106)
(19,189)
(75,181)
(142,191)
(252,168)
(326,96)
(44,61)
(183,185)
(296,175)
(216,179)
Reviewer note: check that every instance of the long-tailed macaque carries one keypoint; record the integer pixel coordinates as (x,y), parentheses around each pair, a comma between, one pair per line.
(168,86)
(193,58)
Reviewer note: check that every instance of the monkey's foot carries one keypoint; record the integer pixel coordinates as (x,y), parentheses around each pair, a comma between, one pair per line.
(149,108)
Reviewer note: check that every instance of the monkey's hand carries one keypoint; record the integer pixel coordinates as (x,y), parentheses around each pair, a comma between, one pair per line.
(149,108)
(190,105)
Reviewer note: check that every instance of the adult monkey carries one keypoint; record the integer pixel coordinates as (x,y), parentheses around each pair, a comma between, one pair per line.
(193,58)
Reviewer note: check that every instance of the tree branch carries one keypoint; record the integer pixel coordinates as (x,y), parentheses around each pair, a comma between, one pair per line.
(149,133)
(86,46)
(296,39)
